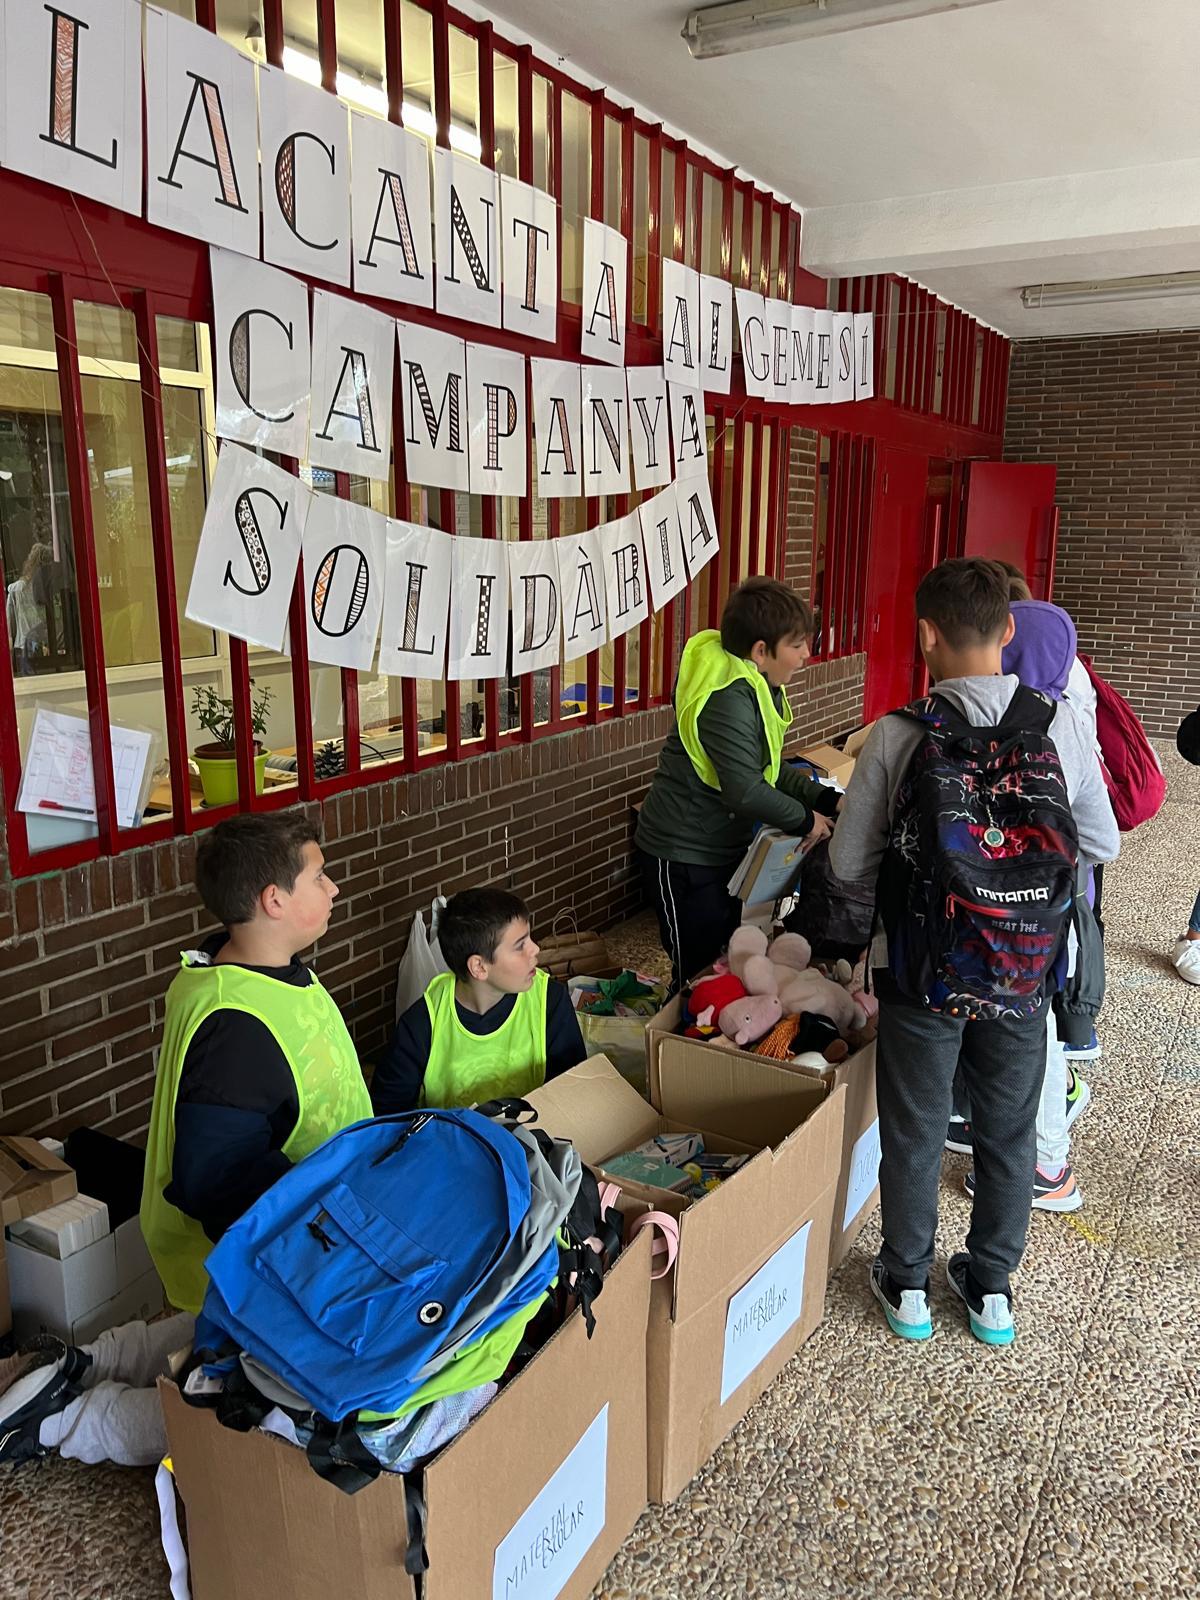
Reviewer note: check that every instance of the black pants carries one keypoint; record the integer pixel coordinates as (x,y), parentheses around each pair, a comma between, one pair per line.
(1098,881)
(696,912)
(1003,1063)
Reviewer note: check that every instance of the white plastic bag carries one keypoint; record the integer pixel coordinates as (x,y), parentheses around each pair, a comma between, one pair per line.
(422,959)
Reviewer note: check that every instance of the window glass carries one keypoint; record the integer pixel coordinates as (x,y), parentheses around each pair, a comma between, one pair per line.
(361,79)
(240,23)
(641,224)
(666,219)
(613,185)
(713,207)
(542,92)
(464,94)
(576,192)
(506,113)
(416,43)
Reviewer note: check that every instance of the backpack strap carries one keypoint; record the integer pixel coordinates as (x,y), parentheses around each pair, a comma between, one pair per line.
(666,1241)
(416,1556)
(1029,711)
(336,1453)
(508,1108)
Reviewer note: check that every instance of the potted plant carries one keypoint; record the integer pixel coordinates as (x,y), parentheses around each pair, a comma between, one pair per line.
(217,760)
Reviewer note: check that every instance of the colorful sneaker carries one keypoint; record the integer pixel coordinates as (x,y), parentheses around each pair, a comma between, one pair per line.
(1079,1096)
(991,1315)
(1091,1051)
(1186,959)
(958,1137)
(35,1383)
(907,1310)
(1050,1193)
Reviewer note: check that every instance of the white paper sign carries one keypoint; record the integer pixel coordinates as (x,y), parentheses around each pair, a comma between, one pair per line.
(689,433)
(663,541)
(649,426)
(344,565)
(681,323)
(497,434)
(779,350)
(557,428)
(536,1558)
(249,546)
(822,356)
(536,604)
(762,1312)
(625,582)
(605,431)
(803,385)
(529,252)
(350,421)
(864,355)
(201,134)
(392,221)
(841,360)
(467,234)
(263,357)
(305,143)
(605,277)
(581,592)
(73,97)
(864,1173)
(698,523)
(433,388)
(716,335)
(416,604)
(57,773)
(756,352)
(479,615)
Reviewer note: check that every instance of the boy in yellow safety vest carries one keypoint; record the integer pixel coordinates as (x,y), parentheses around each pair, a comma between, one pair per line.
(721,773)
(494,1025)
(256,1069)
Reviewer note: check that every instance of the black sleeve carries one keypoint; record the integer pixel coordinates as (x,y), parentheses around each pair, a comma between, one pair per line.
(564,1042)
(400,1075)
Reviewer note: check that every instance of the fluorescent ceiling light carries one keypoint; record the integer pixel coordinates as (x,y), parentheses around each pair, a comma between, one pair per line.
(416,118)
(1092,291)
(723,30)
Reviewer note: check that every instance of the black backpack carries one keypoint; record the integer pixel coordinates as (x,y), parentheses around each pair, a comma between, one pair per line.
(978,881)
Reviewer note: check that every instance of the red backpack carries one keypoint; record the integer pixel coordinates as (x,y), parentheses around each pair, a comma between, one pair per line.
(1136,785)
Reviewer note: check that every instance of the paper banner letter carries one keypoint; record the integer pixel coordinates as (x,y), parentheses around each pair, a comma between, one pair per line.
(353,351)
(344,566)
(864,355)
(779,345)
(392,225)
(625,574)
(662,537)
(716,335)
(536,605)
(479,614)
(699,523)
(529,253)
(605,431)
(841,361)
(263,358)
(681,323)
(433,386)
(756,352)
(305,137)
(605,276)
(201,135)
(416,601)
(248,550)
(689,432)
(73,97)
(803,380)
(581,590)
(498,434)
(823,361)
(649,427)
(557,428)
(467,234)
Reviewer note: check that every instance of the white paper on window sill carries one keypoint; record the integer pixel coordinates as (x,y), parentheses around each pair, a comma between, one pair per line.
(57,778)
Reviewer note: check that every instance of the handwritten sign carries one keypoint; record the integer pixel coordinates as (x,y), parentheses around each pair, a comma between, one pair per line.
(538,1555)
(864,1173)
(763,1310)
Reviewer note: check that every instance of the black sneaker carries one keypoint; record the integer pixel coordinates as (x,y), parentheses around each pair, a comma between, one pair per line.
(907,1310)
(958,1137)
(42,1378)
(991,1315)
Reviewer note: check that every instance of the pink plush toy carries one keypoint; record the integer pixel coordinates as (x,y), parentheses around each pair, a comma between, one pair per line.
(779,968)
(747,1021)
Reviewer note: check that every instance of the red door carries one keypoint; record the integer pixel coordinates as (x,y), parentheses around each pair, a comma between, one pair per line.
(1011,516)
(897,562)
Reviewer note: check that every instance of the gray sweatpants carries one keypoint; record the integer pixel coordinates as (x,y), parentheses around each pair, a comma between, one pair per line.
(118,1416)
(1003,1064)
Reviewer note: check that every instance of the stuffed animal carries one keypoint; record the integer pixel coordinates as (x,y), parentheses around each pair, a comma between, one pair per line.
(748,1020)
(710,996)
(795,984)
(809,991)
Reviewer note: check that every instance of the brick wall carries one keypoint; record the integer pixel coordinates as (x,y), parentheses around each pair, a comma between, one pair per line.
(1120,416)
(86,955)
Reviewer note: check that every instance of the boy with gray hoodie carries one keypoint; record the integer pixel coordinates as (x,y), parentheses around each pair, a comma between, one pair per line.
(964,623)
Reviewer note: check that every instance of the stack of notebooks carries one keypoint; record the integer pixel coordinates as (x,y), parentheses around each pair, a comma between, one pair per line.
(769,870)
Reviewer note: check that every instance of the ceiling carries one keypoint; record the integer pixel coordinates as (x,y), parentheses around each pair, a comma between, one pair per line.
(1021,142)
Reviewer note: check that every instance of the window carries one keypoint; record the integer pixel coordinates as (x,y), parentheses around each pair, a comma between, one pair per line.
(576,192)
(507,146)
(845,488)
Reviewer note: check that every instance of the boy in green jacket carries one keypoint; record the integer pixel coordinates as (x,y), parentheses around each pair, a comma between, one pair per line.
(721,772)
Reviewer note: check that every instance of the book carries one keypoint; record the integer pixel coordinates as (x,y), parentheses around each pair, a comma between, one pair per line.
(770,868)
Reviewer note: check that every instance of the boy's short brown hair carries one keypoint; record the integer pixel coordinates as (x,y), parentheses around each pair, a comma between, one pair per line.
(473,924)
(766,609)
(244,855)
(1018,583)
(966,599)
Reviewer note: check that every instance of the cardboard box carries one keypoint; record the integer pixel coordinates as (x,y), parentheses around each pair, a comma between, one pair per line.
(104,1284)
(31,1178)
(533,1499)
(748,1285)
(829,762)
(857,739)
(857,1192)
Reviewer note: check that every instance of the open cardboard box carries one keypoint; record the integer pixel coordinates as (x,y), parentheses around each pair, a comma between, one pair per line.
(857,739)
(828,762)
(108,1282)
(533,1499)
(748,1285)
(31,1178)
(857,1192)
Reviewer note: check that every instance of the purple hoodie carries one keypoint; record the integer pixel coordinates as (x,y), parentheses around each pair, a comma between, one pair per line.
(1043,647)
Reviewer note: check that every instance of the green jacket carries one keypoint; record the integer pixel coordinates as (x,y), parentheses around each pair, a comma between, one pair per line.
(683,819)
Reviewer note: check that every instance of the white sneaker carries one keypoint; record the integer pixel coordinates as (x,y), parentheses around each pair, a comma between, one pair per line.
(1186,956)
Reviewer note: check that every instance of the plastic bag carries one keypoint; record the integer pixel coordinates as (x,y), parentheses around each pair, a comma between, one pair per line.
(422,959)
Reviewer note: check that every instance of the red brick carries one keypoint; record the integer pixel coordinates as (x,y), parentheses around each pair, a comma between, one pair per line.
(93,929)
(65,1045)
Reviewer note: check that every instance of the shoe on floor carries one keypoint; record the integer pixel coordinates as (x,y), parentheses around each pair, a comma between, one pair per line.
(1186,956)
(35,1383)
(1079,1096)
(991,1315)
(958,1137)
(907,1310)
(1091,1051)
(1051,1192)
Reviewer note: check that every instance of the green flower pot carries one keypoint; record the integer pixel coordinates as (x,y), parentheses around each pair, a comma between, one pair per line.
(218,773)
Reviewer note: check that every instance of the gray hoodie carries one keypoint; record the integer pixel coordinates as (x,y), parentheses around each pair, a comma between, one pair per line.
(861,835)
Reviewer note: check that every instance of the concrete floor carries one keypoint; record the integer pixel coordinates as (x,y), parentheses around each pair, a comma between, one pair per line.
(1068,1465)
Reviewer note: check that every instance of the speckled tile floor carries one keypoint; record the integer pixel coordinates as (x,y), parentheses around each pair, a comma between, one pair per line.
(1066,1466)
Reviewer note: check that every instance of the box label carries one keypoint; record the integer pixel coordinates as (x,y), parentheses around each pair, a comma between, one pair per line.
(864,1172)
(537,1556)
(762,1312)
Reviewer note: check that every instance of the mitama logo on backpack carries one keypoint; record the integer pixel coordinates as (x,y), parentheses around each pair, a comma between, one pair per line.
(1131,769)
(978,881)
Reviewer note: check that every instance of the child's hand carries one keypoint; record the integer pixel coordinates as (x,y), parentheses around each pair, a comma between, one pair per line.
(821,829)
